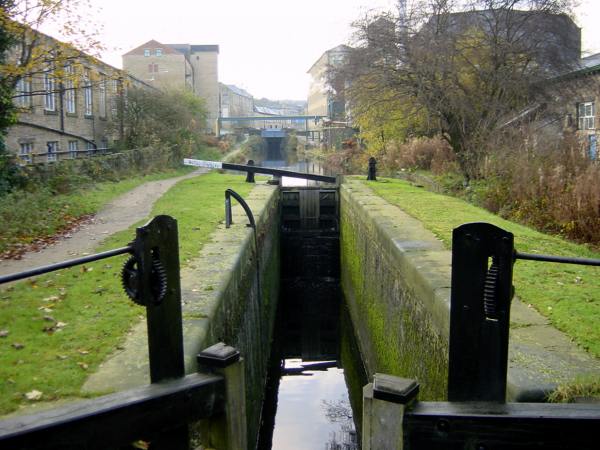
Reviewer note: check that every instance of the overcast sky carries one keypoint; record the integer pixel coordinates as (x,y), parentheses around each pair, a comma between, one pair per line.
(266,46)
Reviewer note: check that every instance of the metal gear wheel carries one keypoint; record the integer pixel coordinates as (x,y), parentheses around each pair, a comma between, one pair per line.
(490,291)
(131,281)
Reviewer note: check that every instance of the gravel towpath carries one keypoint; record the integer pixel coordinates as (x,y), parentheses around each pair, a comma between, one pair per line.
(117,215)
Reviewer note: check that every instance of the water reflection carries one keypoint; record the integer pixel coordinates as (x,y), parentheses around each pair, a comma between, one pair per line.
(308,404)
(305,417)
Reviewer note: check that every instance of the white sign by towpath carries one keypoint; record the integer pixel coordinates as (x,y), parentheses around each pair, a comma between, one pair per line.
(201,163)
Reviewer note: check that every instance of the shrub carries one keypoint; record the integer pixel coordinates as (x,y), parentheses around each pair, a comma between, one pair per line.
(350,159)
(291,144)
(544,182)
(422,153)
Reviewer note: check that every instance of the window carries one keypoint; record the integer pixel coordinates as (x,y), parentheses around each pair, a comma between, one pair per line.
(585,114)
(87,94)
(153,68)
(70,104)
(52,148)
(90,147)
(50,90)
(146,52)
(25,152)
(73,147)
(117,100)
(23,93)
(158,52)
(592,147)
(102,97)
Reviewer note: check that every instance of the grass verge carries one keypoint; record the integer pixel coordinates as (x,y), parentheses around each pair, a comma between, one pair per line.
(566,294)
(59,327)
(578,390)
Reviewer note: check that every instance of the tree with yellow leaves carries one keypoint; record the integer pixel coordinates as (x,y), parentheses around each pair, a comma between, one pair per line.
(32,63)
(467,67)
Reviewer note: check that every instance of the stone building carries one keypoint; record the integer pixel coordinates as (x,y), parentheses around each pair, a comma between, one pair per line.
(569,110)
(160,66)
(235,102)
(579,99)
(179,66)
(323,100)
(326,97)
(67,107)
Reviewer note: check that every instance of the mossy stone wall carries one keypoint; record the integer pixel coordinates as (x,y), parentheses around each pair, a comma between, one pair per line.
(219,290)
(393,280)
(396,279)
(226,305)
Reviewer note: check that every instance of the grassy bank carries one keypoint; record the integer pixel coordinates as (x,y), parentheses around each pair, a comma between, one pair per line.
(58,328)
(566,294)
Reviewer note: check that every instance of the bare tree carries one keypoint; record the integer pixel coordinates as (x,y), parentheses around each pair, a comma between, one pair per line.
(338,411)
(461,68)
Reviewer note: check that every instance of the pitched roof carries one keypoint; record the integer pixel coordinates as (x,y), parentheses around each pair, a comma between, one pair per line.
(342,48)
(267,111)
(205,48)
(188,49)
(590,62)
(152,44)
(238,91)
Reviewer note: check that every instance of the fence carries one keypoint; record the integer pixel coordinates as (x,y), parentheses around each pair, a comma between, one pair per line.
(476,415)
(158,413)
(44,157)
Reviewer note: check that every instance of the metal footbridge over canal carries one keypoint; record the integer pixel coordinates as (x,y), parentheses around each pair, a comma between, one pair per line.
(271,133)
(475,417)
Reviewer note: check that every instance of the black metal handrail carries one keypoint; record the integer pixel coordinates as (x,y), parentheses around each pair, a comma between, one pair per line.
(278,172)
(65,264)
(251,169)
(557,259)
(228,221)
(161,411)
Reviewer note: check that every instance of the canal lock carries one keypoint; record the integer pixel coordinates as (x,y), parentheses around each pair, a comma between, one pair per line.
(313,397)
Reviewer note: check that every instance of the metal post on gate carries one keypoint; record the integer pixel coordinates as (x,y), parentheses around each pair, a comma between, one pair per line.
(385,402)
(372,174)
(229,430)
(250,173)
(151,279)
(482,263)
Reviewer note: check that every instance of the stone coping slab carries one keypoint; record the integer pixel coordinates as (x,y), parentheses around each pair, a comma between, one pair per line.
(540,356)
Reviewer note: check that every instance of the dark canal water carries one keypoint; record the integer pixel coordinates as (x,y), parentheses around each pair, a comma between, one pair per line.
(316,376)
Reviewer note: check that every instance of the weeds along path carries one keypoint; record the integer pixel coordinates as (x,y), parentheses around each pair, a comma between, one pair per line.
(117,215)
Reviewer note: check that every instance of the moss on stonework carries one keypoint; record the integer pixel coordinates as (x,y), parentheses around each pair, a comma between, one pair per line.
(354,372)
(396,328)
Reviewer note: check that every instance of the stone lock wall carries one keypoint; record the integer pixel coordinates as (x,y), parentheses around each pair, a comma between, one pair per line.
(396,279)
(392,274)
(221,303)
